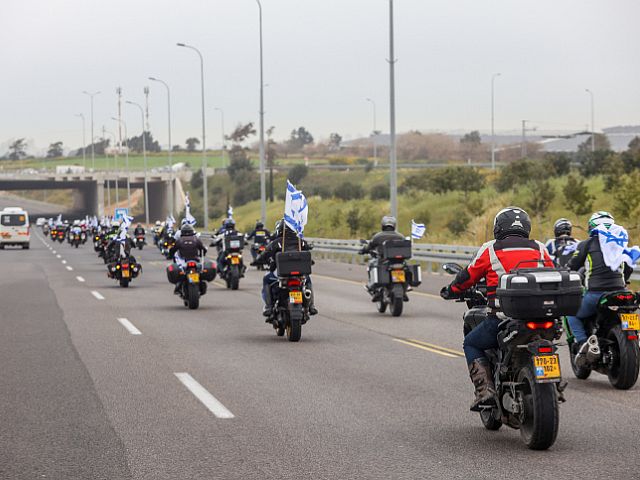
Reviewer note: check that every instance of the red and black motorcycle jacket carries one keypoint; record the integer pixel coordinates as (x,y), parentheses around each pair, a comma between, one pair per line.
(498,257)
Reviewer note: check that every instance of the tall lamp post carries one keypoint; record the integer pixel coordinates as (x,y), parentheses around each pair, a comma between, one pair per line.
(170,152)
(263,185)
(126,153)
(493,133)
(93,153)
(375,130)
(222,129)
(593,127)
(84,142)
(393,177)
(204,144)
(144,157)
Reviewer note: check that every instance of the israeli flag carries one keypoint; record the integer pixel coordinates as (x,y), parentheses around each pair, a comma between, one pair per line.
(614,243)
(187,211)
(124,226)
(230,212)
(296,209)
(417,230)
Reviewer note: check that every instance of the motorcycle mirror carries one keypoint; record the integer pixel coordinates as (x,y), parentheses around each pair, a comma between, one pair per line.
(452,268)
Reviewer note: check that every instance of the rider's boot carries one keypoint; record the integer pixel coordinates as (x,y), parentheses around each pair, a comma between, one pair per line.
(485,390)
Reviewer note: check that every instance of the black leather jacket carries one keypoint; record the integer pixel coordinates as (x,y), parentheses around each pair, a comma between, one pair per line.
(375,244)
(290,244)
(190,248)
(598,277)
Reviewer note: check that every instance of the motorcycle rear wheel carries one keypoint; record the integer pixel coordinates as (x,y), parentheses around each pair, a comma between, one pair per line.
(234,282)
(623,372)
(396,306)
(293,327)
(193,297)
(124,282)
(540,419)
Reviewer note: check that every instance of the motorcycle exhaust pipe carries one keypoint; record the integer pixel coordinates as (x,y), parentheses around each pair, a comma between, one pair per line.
(308,294)
(593,352)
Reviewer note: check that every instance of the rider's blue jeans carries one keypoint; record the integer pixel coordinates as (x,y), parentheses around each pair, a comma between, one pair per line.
(588,308)
(483,337)
(270,279)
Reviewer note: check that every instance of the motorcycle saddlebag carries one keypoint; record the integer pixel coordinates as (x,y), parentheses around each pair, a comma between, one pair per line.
(537,293)
(233,242)
(208,271)
(396,249)
(293,263)
(414,275)
(379,275)
(174,273)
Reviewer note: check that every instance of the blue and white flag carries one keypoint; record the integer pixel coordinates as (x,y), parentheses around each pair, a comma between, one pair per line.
(124,226)
(614,243)
(230,212)
(417,230)
(187,211)
(296,209)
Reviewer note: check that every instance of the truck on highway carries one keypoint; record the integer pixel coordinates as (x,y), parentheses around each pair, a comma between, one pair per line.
(14,227)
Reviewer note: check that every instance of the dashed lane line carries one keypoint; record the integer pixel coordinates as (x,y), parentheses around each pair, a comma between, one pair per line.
(80,279)
(97,295)
(69,268)
(131,328)
(201,393)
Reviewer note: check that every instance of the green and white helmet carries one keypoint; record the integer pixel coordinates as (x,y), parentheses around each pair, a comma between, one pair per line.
(600,218)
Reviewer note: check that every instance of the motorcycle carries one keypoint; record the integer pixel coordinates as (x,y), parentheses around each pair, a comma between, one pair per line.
(124,270)
(193,278)
(166,244)
(97,243)
(139,241)
(60,235)
(613,341)
(526,365)
(233,269)
(391,277)
(292,297)
(74,239)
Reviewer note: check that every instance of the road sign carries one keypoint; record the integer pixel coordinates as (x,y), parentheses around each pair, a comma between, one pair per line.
(119,213)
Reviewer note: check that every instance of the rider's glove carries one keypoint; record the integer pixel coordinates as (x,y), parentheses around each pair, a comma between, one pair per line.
(446,292)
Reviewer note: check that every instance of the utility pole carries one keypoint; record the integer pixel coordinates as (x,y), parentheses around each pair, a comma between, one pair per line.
(493,133)
(393,179)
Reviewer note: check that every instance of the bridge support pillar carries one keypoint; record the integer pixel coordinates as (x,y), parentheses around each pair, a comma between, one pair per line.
(158,200)
(88,199)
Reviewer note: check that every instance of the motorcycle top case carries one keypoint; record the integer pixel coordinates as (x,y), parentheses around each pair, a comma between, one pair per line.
(400,249)
(208,271)
(233,242)
(293,263)
(537,293)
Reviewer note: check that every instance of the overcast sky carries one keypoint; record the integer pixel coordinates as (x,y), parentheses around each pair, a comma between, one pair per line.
(322,59)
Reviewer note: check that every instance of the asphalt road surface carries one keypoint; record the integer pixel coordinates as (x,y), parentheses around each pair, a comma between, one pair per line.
(100,382)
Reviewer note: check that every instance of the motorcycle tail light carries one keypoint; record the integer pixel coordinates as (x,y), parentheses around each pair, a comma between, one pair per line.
(295,273)
(632,337)
(539,325)
(545,349)
(191,264)
(126,265)
(294,282)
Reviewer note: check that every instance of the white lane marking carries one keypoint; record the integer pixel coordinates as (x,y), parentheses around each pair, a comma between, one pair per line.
(69,268)
(201,393)
(97,295)
(129,326)
(53,251)
(80,279)
(64,262)
(58,256)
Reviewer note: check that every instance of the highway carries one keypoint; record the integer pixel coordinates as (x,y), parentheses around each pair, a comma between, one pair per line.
(100,382)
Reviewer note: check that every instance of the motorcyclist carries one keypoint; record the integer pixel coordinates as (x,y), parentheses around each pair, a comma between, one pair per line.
(139,230)
(188,247)
(270,281)
(374,246)
(260,236)
(599,278)
(228,228)
(562,246)
(511,247)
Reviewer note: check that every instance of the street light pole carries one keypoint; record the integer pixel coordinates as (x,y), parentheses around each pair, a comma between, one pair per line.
(84,142)
(593,127)
(204,144)
(223,140)
(263,185)
(93,153)
(144,157)
(126,137)
(172,202)
(493,133)
(393,180)
(375,130)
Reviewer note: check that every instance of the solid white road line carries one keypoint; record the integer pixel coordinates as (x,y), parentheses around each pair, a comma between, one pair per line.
(80,279)
(201,393)
(69,268)
(129,326)
(97,295)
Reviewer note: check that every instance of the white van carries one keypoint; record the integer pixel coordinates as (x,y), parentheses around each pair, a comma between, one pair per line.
(14,227)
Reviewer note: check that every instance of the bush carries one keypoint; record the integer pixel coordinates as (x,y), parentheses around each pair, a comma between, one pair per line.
(459,224)
(318,191)
(297,173)
(577,196)
(519,173)
(541,195)
(594,163)
(353,220)
(558,164)
(348,191)
(196,179)
(380,191)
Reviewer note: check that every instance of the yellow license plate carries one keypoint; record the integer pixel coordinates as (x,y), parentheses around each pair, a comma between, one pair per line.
(125,273)
(194,277)
(235,260)
(397,276)
(295,297)
(630,321)
(547,367)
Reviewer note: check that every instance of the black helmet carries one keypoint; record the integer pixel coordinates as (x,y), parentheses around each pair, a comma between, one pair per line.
(562,227)
(278,227)
(187,230)
(259,225)
(388,223)
(511,221)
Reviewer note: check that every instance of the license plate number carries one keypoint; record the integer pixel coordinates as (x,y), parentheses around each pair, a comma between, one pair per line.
(295,297)
(547,367)
(397,276)
(630,321)
(194,277)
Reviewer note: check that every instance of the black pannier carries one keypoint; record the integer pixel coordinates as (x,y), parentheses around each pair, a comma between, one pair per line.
(174,273)
(414,275)
(379,275)
(233,242)
(396,249)
(537,293)
(208,271)
(293,263)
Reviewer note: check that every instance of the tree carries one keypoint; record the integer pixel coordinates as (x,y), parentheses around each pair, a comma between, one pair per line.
(626,198)
(379,191)
(349,191)
(471,138)
(558,163)
(17,149)
(634,145)
(334,142)
(239,164)
(459,224)
(541,194)
(519,173)
(601,141)
(55,150)
(594,163)
(299,138)
(151,145)
(353,220)
(297,173)
(242,133)
(192,143)
(577,196)
(467,180)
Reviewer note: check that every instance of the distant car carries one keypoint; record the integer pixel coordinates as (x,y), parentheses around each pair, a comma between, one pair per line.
(14,227)
(40,221)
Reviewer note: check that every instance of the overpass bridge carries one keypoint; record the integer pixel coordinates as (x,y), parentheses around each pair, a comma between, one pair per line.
(89,188)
